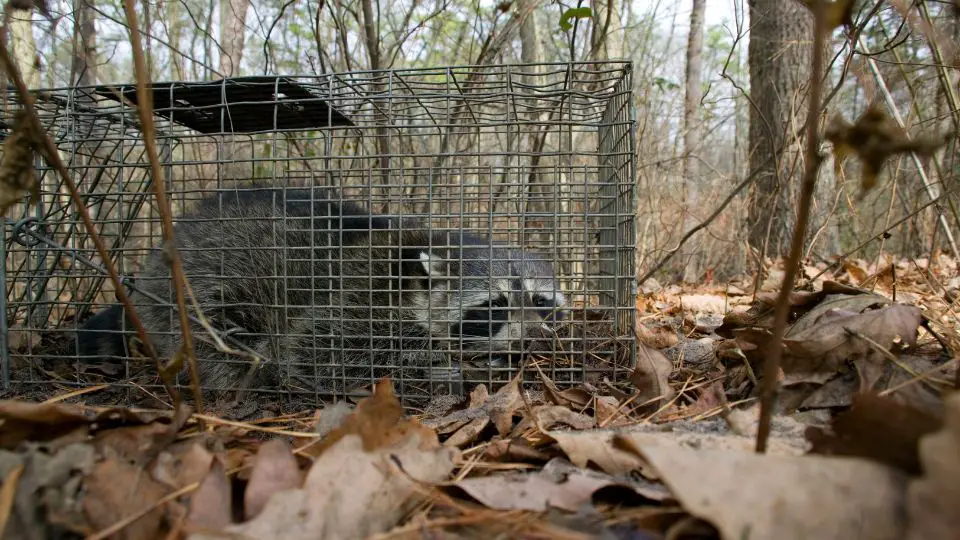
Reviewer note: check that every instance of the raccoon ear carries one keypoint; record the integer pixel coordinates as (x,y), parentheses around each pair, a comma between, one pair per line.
(433,266)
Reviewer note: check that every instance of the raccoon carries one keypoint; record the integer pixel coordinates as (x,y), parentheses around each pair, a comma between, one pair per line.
(334,295)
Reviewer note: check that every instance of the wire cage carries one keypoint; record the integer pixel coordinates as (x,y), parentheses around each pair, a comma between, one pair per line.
(537,160)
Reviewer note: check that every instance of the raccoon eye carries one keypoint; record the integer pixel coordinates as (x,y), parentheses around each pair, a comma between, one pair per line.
(541,301)
(500,302)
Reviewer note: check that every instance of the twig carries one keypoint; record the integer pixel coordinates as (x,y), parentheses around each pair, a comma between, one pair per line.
(813,160)
(145,111)
(880,234)
(53,157)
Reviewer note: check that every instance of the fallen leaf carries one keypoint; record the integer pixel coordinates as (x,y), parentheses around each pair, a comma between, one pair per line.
(115,490)
(47,492)
(585,447)
(788,496)
(657,337)
(651,377)
(606,410)
(275,469)
(854,303)
(709,303)
(825,346)
(332,417)
(466,425)
(39,422)
(514,450)
(210,504)
(138,443)
(933,499)
(382,489)
(547,416)
(558,485)
(876,428)
(377,420)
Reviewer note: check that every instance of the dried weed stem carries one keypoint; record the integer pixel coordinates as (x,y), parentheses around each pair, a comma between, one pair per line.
(145,111)
(53,157)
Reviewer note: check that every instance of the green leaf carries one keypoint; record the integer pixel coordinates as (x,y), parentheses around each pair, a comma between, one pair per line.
(574,13)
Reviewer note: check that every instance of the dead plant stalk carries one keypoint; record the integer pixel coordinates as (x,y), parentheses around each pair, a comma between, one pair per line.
(53,157)
(813,159)
(145,111)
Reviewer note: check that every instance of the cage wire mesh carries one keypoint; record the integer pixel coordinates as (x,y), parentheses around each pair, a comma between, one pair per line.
(538,158)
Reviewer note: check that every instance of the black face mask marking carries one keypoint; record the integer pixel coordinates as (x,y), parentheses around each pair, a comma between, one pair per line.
(546,308)
(482,321)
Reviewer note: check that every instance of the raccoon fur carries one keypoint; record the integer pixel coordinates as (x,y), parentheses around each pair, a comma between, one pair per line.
(333,296)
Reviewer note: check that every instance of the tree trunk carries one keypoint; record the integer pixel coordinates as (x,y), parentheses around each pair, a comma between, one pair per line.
(85,45)
(233,13)
(691,141)
(779,59)
(24,47)
(606,21)
(372,34)
(174,33)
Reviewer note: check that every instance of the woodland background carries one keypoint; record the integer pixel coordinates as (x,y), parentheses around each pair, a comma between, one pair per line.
(713,105)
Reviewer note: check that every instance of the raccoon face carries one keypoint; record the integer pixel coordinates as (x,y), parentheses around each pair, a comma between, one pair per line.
(490,299)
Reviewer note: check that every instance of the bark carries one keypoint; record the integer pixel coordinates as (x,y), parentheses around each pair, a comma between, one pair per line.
(606,23)
(84,69)
(175,33)
(691,141)
(372,34)
(233,13)
(24,47)
(779,61)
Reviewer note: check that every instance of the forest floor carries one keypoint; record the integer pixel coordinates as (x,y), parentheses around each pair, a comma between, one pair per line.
(865,443)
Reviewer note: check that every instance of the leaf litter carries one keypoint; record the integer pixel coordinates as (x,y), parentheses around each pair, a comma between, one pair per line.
(863,444)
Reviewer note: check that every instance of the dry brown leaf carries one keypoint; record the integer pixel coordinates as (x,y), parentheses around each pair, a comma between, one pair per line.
(657,337)
(23,421)
(210,504)
(47,494)
(467,424)
(633,441)
(651,377)
(876,428)
(138,443)
(576,398)
(836,12)
(514,450)
(709,398)
(585,447)
(874,138)
(709,303)
(547,416)
(361,483)
(116,489)
(857,273)
(855,303)
(275,469)
(350,492)
(933,499)
(824,347)
(557,485)
(788,496)
(181,464)
(606,411)
(377,420)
